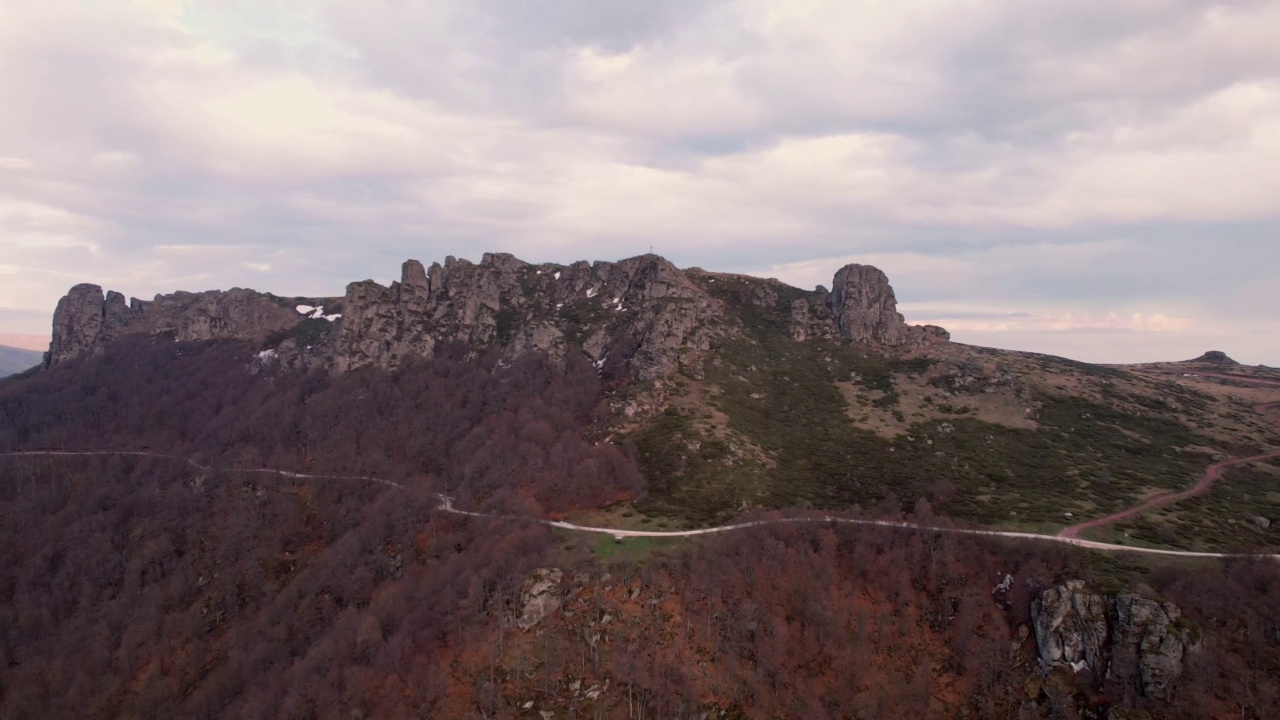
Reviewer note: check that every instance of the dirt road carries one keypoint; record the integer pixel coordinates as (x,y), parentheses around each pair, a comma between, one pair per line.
(1212,474)
(446,505)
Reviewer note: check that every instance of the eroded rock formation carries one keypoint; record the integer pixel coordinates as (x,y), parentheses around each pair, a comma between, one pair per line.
(862,307)
(1126,636)
(85,321)
(641,316)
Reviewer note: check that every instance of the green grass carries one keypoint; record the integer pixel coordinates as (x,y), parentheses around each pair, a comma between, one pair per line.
(634,549)
(780,395)
(1220,519)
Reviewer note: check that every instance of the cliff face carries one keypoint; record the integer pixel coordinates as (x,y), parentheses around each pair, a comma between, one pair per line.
(85,322)
(643,309)
(1125,636)
(642,314)
(862,307)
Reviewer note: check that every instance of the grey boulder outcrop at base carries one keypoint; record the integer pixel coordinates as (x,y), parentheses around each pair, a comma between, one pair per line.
(1126,637)
(642,317)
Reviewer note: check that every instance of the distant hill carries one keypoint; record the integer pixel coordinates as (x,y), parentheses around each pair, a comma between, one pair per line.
(14,360)
(1214,357)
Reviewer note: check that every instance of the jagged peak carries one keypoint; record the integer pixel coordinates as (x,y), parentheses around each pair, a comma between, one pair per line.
(664,315)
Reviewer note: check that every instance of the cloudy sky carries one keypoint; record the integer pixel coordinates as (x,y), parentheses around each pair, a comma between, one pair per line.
(1096,178)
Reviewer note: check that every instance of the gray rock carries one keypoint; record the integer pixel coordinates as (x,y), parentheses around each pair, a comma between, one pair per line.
(643,311)
(1070,624)
(85,322)
(541,597)
(641,316)
(1146,630)
(864,307)
(1126,636)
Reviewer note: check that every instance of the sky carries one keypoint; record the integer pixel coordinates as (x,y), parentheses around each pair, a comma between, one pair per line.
(1098,179)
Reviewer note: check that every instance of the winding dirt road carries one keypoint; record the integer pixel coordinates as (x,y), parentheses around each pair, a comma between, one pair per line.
(446,505)
(1212,474)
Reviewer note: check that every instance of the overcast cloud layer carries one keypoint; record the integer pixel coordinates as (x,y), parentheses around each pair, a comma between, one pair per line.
(1098,179)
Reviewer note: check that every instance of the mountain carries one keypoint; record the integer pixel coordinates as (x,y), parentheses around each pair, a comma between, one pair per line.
(381,505)
(646,313)
(15,360)
(742,392)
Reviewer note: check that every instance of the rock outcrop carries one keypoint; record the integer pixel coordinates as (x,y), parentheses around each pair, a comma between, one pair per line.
(1214,357)
(641,317)
(1147,633)
(864,307)
(1071,626)
(540,597)
(1127,636)
(861,307)
(85,321)
(643,310)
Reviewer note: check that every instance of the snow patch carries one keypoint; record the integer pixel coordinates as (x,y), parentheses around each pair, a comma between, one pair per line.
(267,356)
(316,313)
(556,275)
(592,292)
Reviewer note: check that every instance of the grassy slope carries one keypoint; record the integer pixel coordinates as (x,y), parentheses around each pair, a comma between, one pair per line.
(1091,452)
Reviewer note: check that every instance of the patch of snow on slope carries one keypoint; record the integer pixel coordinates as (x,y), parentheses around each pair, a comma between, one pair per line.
(317,313)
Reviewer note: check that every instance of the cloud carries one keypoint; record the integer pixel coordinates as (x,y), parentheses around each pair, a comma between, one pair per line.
(1014,163)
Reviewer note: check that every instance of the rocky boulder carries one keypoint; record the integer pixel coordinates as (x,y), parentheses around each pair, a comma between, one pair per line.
(863,306)
(540,597)
(1148,634)
(1124,637)
(1071,627)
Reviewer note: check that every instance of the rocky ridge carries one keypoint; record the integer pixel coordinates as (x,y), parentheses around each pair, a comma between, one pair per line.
(642,317)
(85,321)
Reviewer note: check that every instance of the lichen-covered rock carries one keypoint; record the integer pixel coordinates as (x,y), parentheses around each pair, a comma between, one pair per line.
(1070,624)
(1148,630)
(1124,636)
(540,598)
(641,317)
(235,313)
(84,322)
(643,311)
(864,307)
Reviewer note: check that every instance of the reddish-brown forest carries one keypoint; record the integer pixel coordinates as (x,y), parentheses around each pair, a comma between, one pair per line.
(145,588)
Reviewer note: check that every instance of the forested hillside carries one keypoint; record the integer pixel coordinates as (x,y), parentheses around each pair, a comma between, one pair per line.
(151,587)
